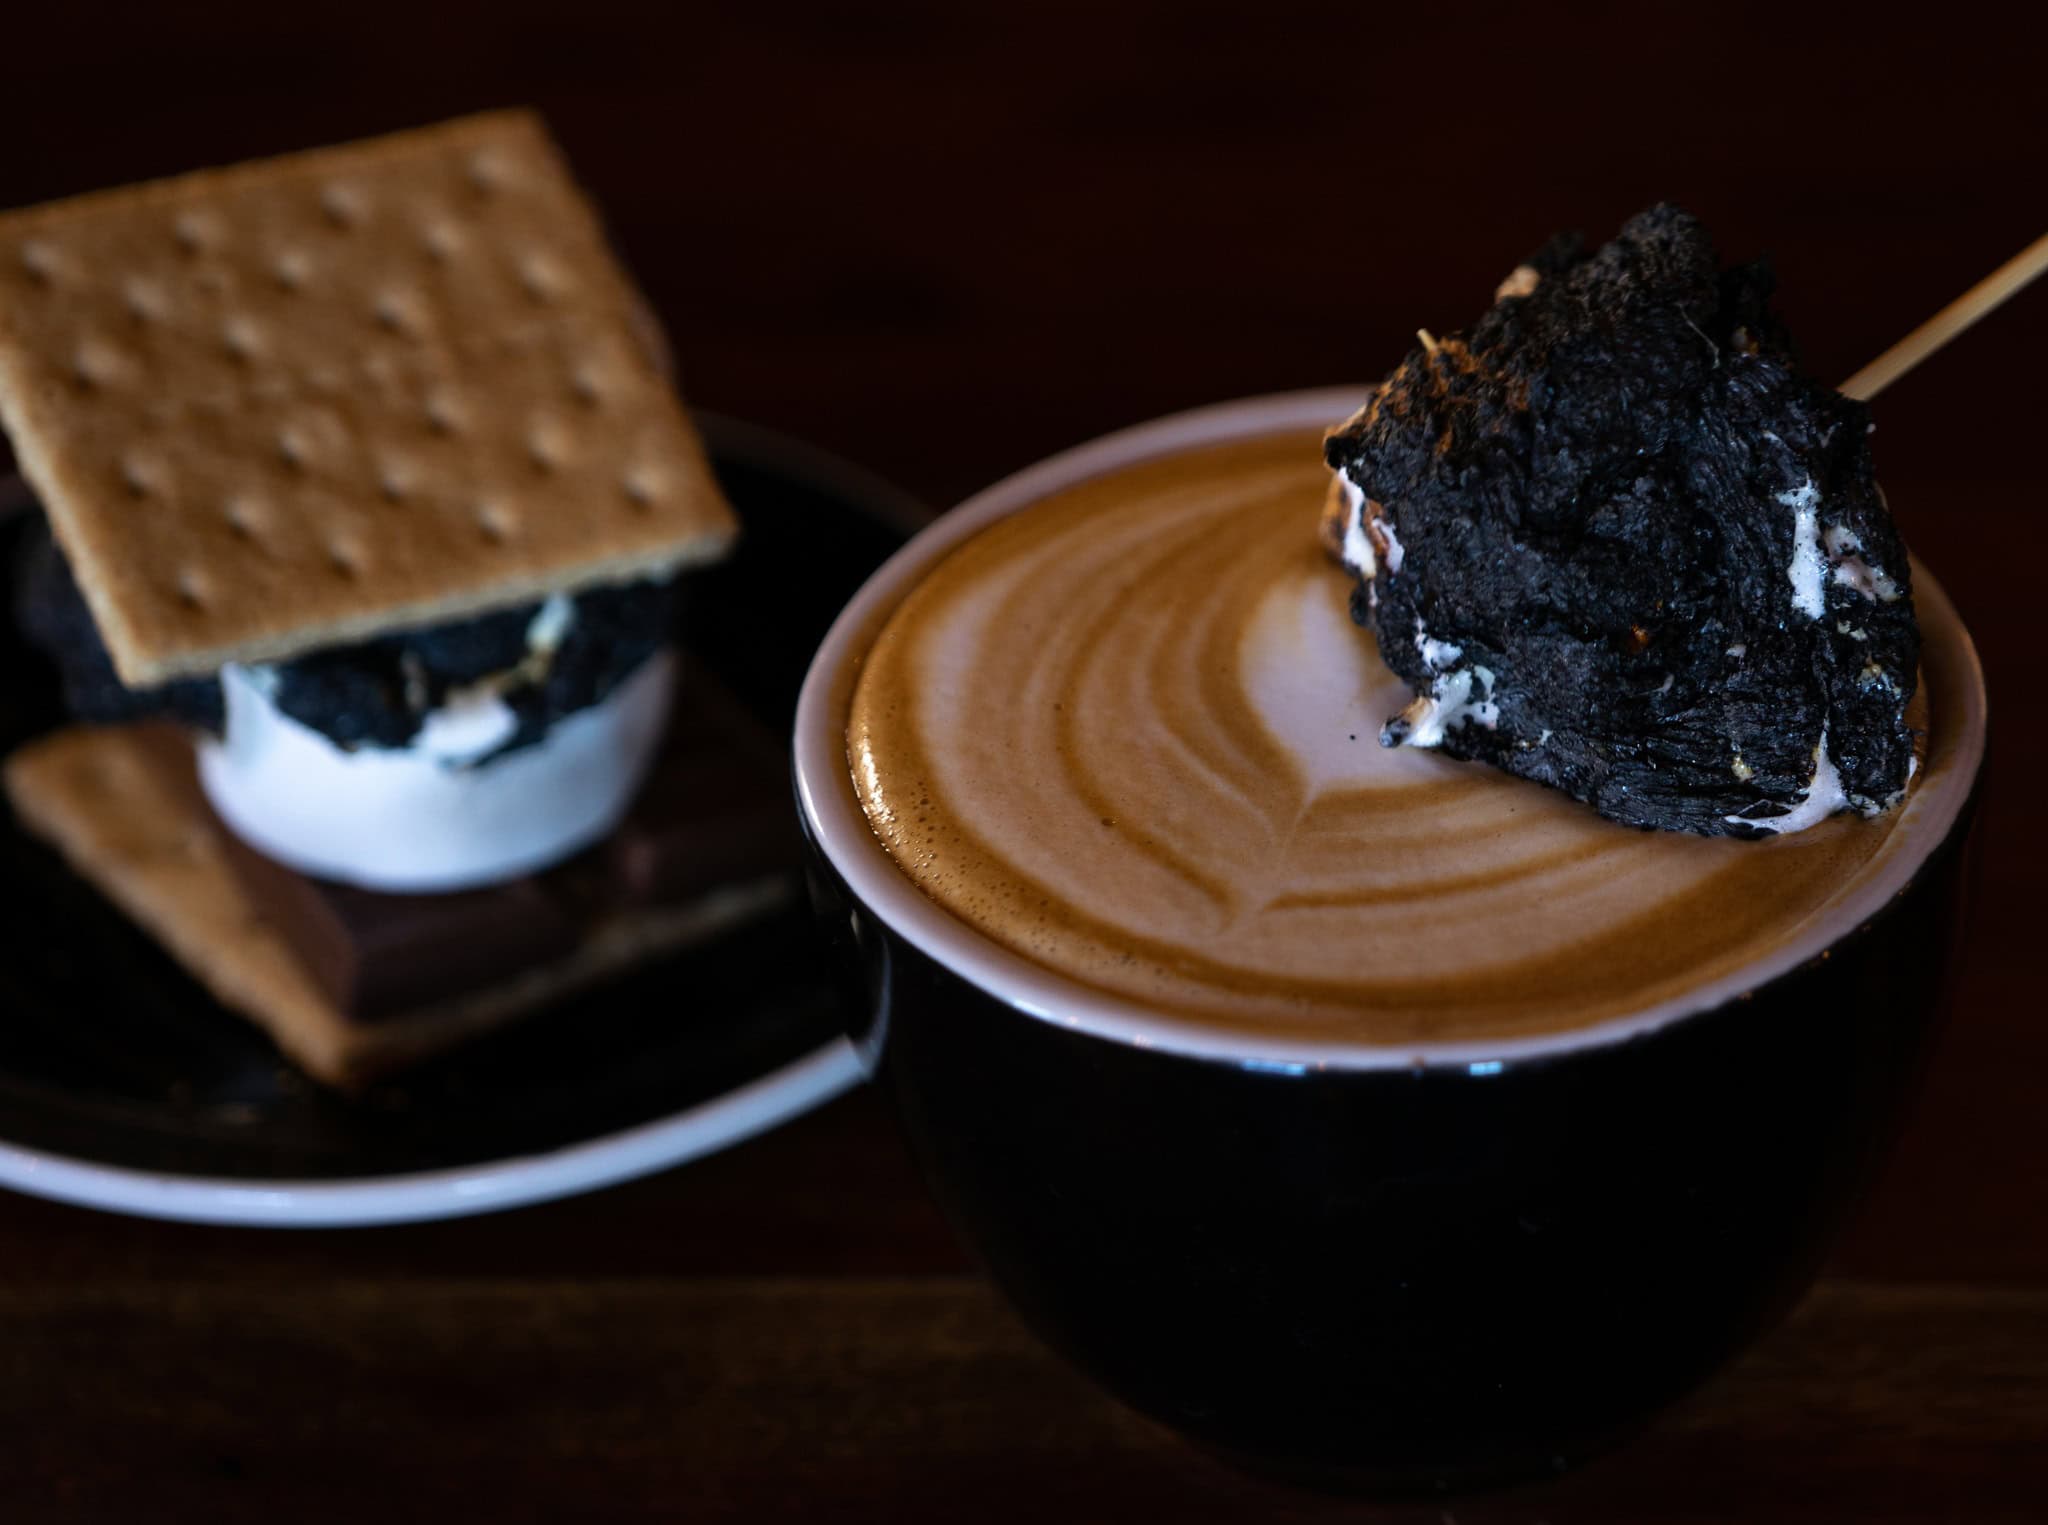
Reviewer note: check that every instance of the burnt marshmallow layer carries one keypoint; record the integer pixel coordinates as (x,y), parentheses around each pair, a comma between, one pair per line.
(379,693)
(1617,543)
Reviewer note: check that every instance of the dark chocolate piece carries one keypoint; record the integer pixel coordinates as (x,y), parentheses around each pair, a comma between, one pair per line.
(715,810)
(1629,551)
(375,955)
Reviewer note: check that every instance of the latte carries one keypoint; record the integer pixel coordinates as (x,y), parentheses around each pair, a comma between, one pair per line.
(1131,734)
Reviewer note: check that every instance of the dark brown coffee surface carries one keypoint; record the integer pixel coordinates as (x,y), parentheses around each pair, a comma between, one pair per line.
(1130,734)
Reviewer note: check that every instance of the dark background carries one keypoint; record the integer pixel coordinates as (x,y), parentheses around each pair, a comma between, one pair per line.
(944,240)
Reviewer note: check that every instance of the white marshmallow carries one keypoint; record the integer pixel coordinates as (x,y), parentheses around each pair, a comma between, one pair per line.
(1807,564)
(1450,704)
(1358,553)
(416,820)
(1823,797)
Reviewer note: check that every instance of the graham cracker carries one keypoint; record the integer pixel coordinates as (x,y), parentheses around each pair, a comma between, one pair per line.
(124,807)
(316,398)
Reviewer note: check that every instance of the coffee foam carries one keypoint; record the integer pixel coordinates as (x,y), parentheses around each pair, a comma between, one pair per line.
(1129,734)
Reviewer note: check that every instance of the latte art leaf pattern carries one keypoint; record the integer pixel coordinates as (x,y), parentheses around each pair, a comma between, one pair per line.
(1132,734)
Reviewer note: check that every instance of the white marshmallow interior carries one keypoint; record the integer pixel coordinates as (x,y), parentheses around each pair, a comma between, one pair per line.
(1807,566)
(1358,552)
(417,820)
(1824,796)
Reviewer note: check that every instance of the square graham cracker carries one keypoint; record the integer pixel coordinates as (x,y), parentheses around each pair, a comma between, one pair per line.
(122,804)
(313,399)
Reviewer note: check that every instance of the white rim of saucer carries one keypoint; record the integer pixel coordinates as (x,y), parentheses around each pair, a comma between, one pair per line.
(461,1192)
(833,812)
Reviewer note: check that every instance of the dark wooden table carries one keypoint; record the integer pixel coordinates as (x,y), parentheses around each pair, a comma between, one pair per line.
(944,245)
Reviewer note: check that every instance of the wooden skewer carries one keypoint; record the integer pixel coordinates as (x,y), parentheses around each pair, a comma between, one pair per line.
(2007,280)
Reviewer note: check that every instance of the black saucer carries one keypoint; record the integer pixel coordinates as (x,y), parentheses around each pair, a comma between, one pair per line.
(123,1083)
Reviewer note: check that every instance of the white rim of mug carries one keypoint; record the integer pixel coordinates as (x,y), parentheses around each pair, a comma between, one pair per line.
(834,816)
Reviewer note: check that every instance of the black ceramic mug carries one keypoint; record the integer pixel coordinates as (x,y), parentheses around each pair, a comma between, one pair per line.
(1406,1268)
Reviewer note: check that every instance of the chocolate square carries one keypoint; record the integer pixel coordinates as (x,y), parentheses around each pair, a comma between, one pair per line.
(375,954)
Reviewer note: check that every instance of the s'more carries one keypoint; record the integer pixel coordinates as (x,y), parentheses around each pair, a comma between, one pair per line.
(368,504)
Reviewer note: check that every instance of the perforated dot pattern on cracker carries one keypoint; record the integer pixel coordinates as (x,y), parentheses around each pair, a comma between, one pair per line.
(314,398)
